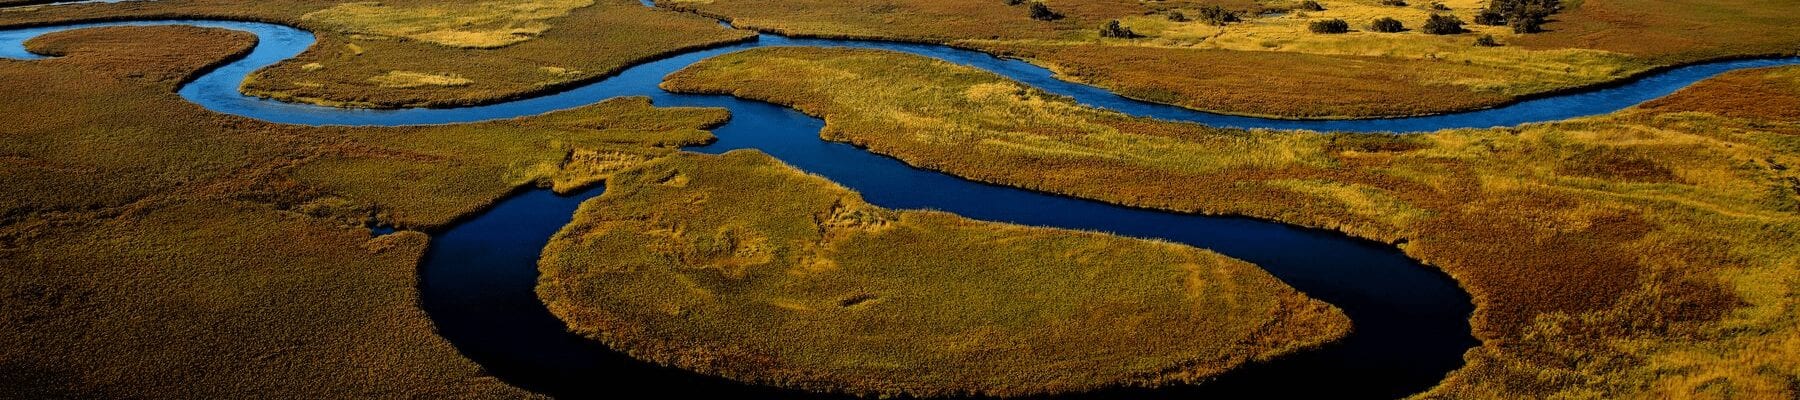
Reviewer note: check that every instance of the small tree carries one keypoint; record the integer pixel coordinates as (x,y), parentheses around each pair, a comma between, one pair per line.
(1490,18)
(1014,2)
(1487,41)
(1527,25)
(1436,6)
(1215,15)
(1310,5)
(1395,3)
(1443,25)
(1386,25)
(1112,29)
(1177,16)
(1041,12)
(1329,26)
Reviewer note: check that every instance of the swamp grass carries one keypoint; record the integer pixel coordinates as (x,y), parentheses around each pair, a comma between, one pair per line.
(152,249)
(741,266)
(1642,254)
(1270,64)
(490,50)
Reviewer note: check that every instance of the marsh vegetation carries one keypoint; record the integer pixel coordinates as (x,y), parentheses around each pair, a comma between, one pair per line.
(1596,249)
(154,249)
(819,290)
(1252,67)
(496,49)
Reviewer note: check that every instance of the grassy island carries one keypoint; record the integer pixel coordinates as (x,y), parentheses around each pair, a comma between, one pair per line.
(740,266)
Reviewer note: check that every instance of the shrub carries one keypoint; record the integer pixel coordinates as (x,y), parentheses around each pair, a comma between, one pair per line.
(1439,6)
(1216,15)
(1395,3)
(1525,16)
(1443,25)
(1041,12)
(1490,17)
(1014,2)
(1177,16)
(1386,25)
(1112,29)
(1310,5)
(1329,26)
(1487,41)
(1528,25)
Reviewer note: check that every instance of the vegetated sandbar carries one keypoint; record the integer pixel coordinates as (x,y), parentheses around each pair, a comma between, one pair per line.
(1601,252)
(741,266)
(153,249)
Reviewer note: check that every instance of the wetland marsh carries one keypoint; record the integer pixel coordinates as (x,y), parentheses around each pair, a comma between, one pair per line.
(1412,324)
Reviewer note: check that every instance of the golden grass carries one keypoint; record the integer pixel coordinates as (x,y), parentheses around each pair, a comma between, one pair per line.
(1271,65)
(484,24)
(817,289)
(1644,254)
(548,45)
(409,79)
(152,249)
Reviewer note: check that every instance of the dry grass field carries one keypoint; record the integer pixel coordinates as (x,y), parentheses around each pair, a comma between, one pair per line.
(817,289)
(152,249)
(1269,64)
(1643,254)
(421,53)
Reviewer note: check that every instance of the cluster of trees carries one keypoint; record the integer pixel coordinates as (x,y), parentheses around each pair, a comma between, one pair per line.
(1443,25)
(1436,25)
(1524,16)
(1215,15)
(1386,25)
(1112,29)
(1329,26)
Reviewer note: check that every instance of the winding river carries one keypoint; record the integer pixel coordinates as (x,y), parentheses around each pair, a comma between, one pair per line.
(477,281)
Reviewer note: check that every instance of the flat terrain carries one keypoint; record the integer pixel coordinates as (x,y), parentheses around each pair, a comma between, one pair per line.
(417,53)
(819,290)
(1269,64)
(1648,253)
(152,249)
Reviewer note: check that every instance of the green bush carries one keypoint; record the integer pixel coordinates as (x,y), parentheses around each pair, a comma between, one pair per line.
(1395,3)
(1041,12)
(1443,25)
(1387,25)
(1524,16)
(1112,29)
(1215,15)
(1014,2)
(1490,17)
(1329,26)
(1487,41)
(1310,5)
(1177,16)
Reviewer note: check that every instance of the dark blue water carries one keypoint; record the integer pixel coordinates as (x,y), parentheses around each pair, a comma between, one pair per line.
(478,280)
